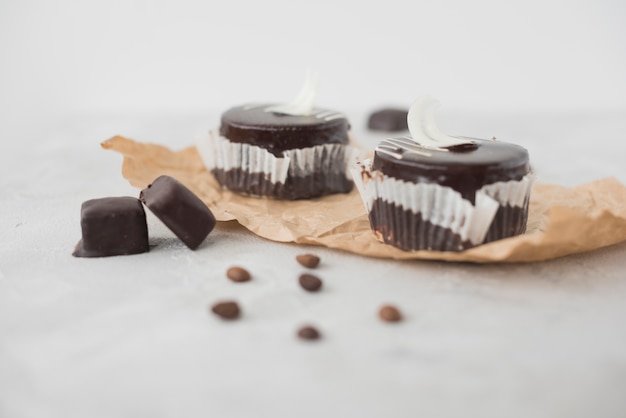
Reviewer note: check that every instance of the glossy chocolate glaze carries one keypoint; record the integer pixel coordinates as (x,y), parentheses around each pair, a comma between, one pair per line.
(179,209)
(253,124)
(112,226)
(465,171)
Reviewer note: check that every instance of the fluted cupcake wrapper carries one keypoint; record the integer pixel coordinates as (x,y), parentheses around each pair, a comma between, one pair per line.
(512,215)
(429,216)
(218,152)
(511,193)
(299,173)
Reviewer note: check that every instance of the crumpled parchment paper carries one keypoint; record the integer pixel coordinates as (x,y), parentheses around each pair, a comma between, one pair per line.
(561,221)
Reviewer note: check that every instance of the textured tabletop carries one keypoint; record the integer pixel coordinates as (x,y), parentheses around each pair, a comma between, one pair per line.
(133,335)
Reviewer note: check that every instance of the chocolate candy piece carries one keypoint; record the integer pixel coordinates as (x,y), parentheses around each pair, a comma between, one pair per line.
(388,119)
(179,209)
(112,226)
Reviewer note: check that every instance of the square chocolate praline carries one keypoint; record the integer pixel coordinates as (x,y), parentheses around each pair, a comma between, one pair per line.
(112,226)
(179,209)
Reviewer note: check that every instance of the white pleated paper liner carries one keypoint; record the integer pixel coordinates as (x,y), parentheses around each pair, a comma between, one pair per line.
(512,215)
(300,173)
(416,216)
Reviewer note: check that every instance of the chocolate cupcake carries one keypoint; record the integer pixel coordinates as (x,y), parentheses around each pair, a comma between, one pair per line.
(291,151)
(431,191)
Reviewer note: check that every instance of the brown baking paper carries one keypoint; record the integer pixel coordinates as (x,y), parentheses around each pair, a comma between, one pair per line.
(561,221)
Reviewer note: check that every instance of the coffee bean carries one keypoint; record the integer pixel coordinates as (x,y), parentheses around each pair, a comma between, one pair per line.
(310,282)
(308,333)
(388,119)
(226,309)
(389,313)
(308,260)
(238,274)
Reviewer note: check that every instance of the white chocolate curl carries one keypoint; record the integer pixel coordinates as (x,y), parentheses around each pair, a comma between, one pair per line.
(302,105)
(424,130)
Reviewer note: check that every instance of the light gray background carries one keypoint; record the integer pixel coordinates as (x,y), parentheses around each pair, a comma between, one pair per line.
(131,336)
(120,55)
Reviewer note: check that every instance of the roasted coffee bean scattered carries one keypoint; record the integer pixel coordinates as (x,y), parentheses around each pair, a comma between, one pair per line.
(389,313)
(308,260)
(238,274)
(226,309)
(309,333)
(388,119)
(310,282)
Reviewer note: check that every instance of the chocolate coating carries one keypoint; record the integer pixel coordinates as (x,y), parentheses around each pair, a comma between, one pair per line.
(179,209)
(277,132)
(112,226)
(388,119)
(465,171)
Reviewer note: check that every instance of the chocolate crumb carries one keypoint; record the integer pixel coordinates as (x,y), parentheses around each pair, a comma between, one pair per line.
(308,260)
(238,274)
(389,313)
(309,333)
(226,309)
(310,282)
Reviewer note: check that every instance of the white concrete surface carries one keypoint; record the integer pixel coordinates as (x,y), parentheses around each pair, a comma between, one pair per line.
(132,336)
